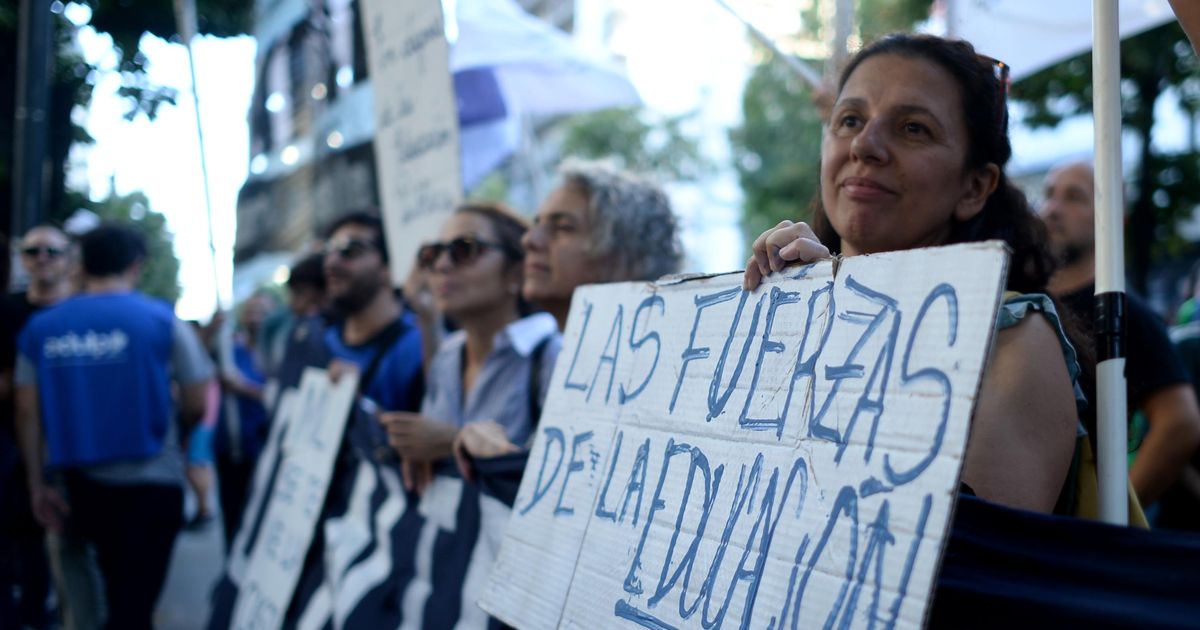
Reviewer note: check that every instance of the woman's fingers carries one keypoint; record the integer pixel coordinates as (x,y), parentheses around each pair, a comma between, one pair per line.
(753,275)
(780,246)
(806,250)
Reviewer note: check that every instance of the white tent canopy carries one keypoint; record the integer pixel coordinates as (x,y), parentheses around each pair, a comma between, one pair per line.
(1030,35)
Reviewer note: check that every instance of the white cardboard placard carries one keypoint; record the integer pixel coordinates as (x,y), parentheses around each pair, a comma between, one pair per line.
(416,123)
(776,459)
(313,419)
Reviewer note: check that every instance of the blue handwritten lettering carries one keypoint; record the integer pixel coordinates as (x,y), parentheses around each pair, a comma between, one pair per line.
(653,300)
(572,466)
(717,399)
(779,298)
(633,583)
(947,293)
(553,435)
(614,342)
(692,352)
(612,467)
(587,317)
(636,483)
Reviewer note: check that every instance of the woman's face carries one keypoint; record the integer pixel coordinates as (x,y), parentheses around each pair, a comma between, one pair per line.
(893,172)
(558,249)
(480,284)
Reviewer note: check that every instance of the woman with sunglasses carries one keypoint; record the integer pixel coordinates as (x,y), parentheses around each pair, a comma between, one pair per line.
(496,367)
(913,156)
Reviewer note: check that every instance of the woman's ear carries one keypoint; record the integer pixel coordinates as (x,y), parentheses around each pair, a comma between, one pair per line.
(980,184)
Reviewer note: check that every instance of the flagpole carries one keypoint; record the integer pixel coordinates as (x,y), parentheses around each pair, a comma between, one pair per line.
(801,70)
(1111,438)
(185,20)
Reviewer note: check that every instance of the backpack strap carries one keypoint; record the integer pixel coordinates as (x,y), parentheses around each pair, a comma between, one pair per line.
(536,360)
(382,343)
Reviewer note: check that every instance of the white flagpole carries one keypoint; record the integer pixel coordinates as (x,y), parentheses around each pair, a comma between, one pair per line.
(185,23)
(799,68)
(1111,438)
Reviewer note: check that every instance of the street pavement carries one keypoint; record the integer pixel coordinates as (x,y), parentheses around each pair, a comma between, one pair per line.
(196,564)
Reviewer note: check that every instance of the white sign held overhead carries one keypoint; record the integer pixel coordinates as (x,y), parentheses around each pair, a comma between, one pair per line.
(311,421)
(786,458)
(416,123)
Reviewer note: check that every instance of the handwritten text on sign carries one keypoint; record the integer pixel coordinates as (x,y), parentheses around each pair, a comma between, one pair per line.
(313,418)
(416,123)
(785,458)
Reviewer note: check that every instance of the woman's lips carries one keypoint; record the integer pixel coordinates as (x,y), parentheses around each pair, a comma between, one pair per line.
(864,189)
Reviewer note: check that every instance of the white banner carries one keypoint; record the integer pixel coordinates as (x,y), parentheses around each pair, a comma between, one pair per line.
(782,458)
(416,123)
(311,420)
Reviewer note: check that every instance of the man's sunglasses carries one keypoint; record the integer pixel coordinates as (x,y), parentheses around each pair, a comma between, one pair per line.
(462,250)
(349,250)
(51,252)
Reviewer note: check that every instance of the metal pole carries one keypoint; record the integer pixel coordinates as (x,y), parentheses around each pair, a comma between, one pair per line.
(185,20)
(30,121)
(802,70)
(843,28)
(1112,470)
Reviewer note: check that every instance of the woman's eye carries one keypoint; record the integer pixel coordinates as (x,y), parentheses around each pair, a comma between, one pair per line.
(915,128)
(849,121)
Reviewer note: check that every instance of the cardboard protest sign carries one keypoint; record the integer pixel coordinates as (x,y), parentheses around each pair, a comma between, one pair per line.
(782,458)
(308,428)
(416,123)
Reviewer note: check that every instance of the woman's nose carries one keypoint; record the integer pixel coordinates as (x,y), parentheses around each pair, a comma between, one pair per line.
(870,144)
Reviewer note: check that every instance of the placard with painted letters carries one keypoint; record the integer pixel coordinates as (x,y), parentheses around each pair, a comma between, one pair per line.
(784,458)
(307,428)
(416,123)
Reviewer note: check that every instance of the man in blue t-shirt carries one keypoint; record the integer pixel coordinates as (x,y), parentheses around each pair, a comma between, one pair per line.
(94,394)
(374,333)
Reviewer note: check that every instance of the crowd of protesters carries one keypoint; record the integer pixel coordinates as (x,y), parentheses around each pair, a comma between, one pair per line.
(112,404)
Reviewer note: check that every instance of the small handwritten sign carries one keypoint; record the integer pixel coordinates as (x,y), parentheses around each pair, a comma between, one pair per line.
(311,420)
(786,458)
(416,123)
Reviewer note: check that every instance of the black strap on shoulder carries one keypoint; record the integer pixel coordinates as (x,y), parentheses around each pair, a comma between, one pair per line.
(382,343)
(535,374)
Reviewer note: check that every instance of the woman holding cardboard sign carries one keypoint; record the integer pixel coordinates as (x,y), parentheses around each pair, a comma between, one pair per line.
(913,156)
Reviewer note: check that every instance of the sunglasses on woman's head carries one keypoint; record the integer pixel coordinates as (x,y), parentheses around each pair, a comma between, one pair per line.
(1000,70)
(462,250)
(350,249)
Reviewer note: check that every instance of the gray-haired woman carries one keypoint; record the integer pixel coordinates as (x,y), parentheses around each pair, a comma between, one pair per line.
(601,224)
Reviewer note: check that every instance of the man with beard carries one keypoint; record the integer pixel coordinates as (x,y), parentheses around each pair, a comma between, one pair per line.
(372,332)
(1158,384)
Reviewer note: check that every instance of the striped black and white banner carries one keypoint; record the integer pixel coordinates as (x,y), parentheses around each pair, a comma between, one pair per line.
(380,557)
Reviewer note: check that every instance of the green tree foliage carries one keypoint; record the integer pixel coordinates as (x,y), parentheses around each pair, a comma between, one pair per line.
(72,80)
(776,150)
(160,272)
(1165,186)
(638,141)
